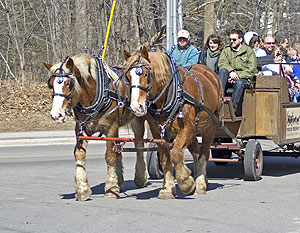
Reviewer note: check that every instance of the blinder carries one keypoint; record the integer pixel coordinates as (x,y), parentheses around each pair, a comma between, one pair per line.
(60,75)
(139,72)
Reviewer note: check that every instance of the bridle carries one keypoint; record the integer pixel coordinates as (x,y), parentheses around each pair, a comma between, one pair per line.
(139,72)
(61,75)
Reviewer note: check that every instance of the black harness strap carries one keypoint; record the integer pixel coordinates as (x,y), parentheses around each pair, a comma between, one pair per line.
(219,122)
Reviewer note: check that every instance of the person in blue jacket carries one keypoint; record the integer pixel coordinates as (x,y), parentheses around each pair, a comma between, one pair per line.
(184,53)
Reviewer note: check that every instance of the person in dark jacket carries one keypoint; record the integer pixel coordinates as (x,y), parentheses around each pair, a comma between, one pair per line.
(210,54)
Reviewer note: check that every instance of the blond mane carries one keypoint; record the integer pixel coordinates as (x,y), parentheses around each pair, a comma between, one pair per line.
(85,64)
(158,63)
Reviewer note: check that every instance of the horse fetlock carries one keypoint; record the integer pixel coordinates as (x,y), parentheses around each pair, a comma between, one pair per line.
(113,186)
(184,179)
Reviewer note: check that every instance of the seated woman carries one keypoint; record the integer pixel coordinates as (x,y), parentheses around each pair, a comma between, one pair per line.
(256,44)
(210,54)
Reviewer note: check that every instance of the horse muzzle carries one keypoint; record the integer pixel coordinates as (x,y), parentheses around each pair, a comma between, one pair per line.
(58,117)
(139,109)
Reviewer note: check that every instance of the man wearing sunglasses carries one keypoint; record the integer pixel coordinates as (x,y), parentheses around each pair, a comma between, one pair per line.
(269,44)
(184,53)
(237,64)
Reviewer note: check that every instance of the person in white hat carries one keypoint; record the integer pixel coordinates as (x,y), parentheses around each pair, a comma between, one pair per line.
(184,53)
(248,36)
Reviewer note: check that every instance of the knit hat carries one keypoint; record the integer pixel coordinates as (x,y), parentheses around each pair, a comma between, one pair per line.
(248,36)
(184,34)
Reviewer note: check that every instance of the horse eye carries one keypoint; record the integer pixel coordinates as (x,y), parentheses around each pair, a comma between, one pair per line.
(139,71)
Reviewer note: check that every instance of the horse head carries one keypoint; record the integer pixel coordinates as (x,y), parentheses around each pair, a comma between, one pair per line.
(138,74)
(62,82)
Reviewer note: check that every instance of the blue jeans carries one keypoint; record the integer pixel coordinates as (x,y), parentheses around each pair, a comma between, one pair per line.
(238,87)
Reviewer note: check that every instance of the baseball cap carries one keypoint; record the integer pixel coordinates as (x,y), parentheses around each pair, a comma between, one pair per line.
(248,36)
(184,34)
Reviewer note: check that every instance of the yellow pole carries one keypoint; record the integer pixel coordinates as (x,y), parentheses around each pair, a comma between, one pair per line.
(108,28)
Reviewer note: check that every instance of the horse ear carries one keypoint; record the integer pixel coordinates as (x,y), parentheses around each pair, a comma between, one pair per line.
(70,64)
(126,55)
(145,53)
(48,66)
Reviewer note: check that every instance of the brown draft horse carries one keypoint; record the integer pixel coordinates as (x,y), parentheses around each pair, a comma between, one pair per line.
(96,109)
(152,83)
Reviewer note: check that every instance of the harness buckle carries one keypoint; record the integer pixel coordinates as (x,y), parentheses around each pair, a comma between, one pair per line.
(162,130)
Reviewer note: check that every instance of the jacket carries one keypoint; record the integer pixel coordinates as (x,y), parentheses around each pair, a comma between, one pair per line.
(186,57)
(243,62)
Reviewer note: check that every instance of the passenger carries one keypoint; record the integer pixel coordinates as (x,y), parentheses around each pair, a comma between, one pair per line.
(269,44)
(284,70)
(237,65)
(184,53)
(211,52)
(285,44)
(275,69)
(293,54)
(254,41)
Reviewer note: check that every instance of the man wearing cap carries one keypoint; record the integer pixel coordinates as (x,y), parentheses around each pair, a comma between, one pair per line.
(237,65)
(184,53)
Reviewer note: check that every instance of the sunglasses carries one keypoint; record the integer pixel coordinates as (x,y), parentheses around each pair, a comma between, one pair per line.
(232,39)
(182,39)
(270,42)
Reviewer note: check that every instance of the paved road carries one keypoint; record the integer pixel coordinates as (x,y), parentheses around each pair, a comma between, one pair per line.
(37,195)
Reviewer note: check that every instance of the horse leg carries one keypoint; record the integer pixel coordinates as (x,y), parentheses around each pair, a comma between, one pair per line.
(183,174)
(169,189)
(201,164)
(114,181)
(82,188)
(140,176)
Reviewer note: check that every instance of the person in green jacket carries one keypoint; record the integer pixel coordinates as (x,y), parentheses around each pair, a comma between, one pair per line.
(237,65)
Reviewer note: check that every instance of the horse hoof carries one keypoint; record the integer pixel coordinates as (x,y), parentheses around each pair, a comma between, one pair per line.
(200,192)
(84,195)
(112,193)
(165,195)
(201,185)
(141,181)
(187,186)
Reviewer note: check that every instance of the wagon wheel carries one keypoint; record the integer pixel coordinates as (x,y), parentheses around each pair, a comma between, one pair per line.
(253,160)
(153,163)
(222,154)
